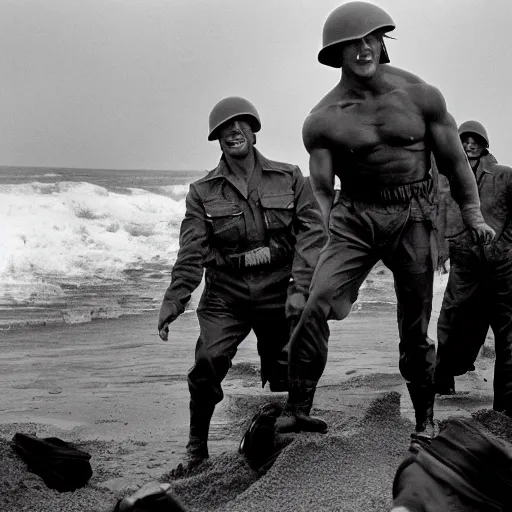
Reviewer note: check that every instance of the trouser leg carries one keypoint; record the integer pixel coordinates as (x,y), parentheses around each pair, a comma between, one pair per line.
(222,329)
(411,263)
(272,330)
(417,350)
(463,321)
(500,307)
(342,267)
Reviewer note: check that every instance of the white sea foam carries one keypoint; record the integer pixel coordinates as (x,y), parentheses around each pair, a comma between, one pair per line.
(54,233)
(77,229)
(175,191)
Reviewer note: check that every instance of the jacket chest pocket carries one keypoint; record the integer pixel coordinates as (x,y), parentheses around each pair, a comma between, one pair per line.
(226,219)
(278,210)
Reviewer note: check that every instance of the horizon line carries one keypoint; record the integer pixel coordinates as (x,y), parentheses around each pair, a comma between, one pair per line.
(7,166)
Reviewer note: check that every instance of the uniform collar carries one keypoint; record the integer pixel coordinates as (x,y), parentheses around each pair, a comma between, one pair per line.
(223,171)
(485,165)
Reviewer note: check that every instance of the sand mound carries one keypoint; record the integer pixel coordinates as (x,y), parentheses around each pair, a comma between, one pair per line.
(495,422)
(350,468)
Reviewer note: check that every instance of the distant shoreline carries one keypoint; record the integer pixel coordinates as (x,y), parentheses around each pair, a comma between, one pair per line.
(18,318)
(52,168)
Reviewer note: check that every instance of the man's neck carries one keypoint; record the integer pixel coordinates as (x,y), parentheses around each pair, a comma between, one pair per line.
(242,167)
(354,85)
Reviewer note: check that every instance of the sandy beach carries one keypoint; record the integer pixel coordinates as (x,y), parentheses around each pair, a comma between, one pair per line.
(116,128)
(119,392)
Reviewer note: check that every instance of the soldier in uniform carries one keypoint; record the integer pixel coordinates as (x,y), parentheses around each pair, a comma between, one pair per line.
(256,228)
(479,290)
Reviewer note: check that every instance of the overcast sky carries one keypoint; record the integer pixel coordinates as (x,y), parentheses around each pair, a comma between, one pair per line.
(130,83)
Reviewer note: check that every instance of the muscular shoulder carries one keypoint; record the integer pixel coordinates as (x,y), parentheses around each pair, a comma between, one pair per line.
(430,102)
(318,120)
(426,97)
(399,77)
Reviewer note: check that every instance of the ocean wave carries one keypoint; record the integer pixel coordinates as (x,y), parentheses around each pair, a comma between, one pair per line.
(175,191)
(78,229)
(74,251)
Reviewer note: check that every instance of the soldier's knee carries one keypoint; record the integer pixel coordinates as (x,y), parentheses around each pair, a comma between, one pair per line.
(203,385)
(320,298)
(208,365)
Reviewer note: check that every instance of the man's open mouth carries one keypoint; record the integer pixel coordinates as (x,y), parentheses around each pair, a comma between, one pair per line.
(364,59)
(235,143)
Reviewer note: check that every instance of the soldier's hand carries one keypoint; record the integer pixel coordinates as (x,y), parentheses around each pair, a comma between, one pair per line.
(164,332)
(472,217)
(168,313)
(482,233)
(295,304)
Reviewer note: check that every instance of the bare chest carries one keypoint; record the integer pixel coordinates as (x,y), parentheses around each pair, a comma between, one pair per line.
(391,120)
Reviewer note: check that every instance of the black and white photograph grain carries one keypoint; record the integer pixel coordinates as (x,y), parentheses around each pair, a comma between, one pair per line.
(255,256)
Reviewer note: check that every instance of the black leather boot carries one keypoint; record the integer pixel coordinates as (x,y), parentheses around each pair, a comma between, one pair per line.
(422,397)
(295,416)
(197,446)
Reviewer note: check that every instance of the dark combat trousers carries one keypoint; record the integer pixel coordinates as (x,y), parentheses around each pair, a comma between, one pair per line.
(478,296)
(361,234)
(231,305)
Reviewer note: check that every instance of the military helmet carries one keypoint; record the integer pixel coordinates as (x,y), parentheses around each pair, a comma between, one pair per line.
(476,128)
(229,108)
(350,21)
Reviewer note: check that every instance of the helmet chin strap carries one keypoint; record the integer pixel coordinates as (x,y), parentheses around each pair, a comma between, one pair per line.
(384,52)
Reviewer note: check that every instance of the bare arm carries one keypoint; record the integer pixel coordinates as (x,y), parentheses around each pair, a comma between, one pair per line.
(448,150)
(320,166)
(322,181)
(452,161)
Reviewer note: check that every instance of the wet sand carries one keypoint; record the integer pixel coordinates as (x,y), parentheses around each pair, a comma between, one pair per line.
(117,390)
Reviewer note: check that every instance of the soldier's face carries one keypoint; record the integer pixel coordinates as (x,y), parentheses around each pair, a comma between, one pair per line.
(361,56)
(236,138)
(473,146)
